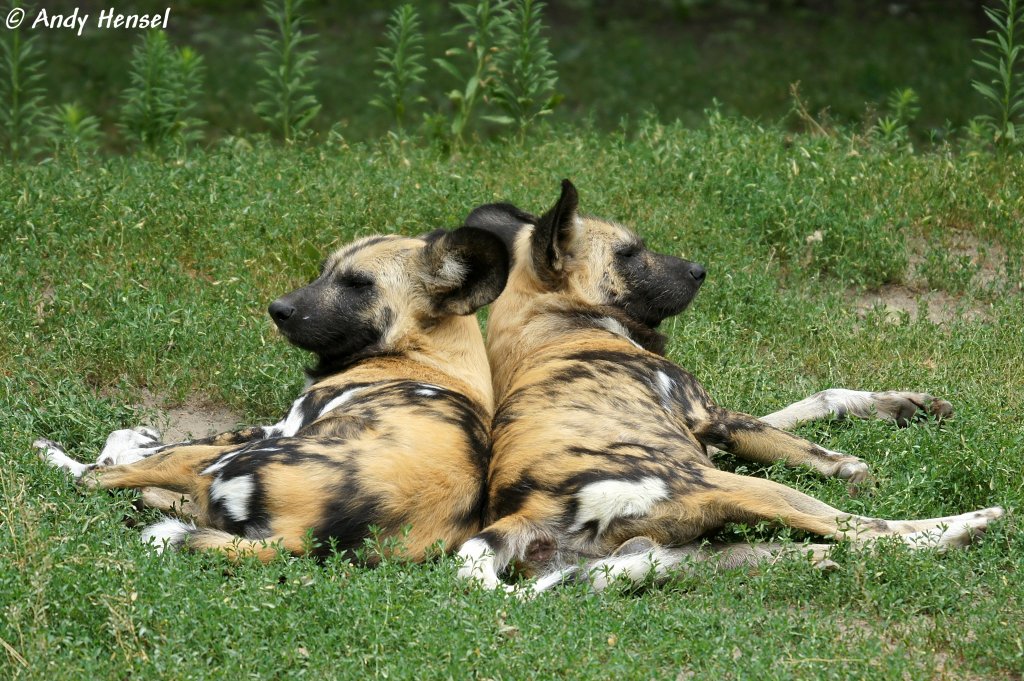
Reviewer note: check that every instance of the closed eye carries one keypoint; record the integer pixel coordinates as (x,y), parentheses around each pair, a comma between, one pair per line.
(629,250)
(354,280)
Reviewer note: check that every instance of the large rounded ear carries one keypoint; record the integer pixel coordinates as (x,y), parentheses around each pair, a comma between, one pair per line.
(553,234)
(464,270)
(502,219)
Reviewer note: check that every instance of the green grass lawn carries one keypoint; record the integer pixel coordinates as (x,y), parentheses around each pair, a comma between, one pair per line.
(124,276)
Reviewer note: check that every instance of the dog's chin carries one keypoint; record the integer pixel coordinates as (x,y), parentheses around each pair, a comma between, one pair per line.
(653,316)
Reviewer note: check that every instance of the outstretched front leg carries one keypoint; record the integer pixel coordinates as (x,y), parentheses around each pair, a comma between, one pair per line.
(901,407)
(755,440)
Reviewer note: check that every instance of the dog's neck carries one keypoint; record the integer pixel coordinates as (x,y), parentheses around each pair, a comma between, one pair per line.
(452,351)
(522,323)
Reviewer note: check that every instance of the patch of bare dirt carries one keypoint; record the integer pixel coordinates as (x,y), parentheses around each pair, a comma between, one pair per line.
(197,418)
(986,258)
(897,300)
(985,265)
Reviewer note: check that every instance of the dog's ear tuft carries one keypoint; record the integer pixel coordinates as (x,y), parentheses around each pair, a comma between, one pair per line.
(553,233)
(465,269)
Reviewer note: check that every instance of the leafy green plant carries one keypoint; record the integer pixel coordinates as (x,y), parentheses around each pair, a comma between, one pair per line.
(190,73)
(166,84)
(402,65)
(525,86)
(904,106)
(69,128)
(21,95)
(999,56)
(288,103)
(481,25)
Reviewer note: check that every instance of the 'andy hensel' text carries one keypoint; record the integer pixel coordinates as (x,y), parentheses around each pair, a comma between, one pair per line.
(108,18)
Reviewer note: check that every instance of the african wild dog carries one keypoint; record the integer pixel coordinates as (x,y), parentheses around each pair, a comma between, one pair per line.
(391,433)
(600,442)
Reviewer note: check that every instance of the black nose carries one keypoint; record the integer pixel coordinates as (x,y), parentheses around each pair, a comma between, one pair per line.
(280,312)
(698,273)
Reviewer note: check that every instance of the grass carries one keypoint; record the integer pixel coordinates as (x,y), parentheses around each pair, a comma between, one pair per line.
(125,275)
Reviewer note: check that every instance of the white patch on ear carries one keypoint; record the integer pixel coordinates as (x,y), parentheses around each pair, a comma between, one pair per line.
(452,271)
(235,494)
(610,499)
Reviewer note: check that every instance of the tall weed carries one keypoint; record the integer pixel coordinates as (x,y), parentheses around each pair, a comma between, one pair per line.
(1000,55)
(525,86)
(288,104)
(21,94)
(401,65)
(165,86)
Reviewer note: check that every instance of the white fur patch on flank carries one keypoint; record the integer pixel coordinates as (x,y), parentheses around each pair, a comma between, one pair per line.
(168,533)
(219,463)
(428,390)
(610,499)
(665,386)
(340,400)
(235,494)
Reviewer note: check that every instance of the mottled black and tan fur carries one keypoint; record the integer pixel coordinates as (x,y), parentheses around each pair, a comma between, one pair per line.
(600,444)
(391,434)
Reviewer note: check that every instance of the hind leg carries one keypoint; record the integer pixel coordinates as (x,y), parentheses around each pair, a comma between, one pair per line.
(901,407)
(738,498)
(752,439)
(641,559)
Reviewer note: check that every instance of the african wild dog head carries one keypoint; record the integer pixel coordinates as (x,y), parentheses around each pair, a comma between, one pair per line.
(377,296)
(595,262)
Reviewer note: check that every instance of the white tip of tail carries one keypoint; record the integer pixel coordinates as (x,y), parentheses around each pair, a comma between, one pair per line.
(169,533)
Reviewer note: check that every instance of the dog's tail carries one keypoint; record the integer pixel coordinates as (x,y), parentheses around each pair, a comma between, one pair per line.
(642,561)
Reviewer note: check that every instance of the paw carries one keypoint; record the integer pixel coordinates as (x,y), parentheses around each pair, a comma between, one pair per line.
(853,471)
(53,454)
(634,546)
(906,407)
(128,445)
(956,532)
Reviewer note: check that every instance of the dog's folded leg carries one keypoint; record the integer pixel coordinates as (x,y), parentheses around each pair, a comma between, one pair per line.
(755,440)
(175,503)
(901,407)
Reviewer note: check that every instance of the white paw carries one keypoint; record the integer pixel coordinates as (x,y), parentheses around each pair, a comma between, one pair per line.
(53,454)
(128,446)
(955,532)
(853,471)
